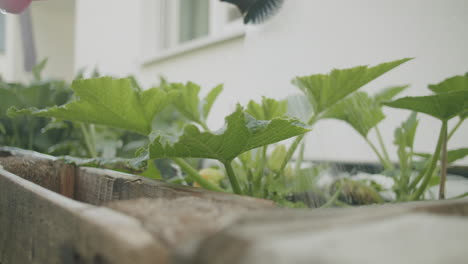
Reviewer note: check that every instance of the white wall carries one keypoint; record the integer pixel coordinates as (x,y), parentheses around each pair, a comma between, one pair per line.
(54,33)
(108,35)
(11,59)
(308,36)
(53,27)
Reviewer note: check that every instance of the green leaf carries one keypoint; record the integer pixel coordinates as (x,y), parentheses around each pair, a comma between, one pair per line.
(456,154)
(2,129)
(134,165)
(110,102)
(277,157)
(324,90)
(210,99)
(152,171)
(7,99)
(188,102)
(37,69)
(434,181)
(389,93)
(404,135)
(358,110)
(242,133)
(268,109)
(452,84)
(443,106)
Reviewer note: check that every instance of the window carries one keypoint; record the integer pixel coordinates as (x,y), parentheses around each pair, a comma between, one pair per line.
(2,32)
(174,25)
(193,19)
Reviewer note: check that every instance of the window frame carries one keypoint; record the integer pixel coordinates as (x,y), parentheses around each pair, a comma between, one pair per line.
(161,30)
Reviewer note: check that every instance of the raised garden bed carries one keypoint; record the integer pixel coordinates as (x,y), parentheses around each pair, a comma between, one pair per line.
(51,212)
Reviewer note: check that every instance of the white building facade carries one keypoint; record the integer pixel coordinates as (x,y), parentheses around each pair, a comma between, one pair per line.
(204,41)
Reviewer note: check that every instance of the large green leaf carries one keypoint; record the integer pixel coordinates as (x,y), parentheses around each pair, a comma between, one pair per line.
(188,102)
(358,110)
(452,84)
(268,109)
(324,90)
(111,102)
(443,106)
(242,133)
(389,93)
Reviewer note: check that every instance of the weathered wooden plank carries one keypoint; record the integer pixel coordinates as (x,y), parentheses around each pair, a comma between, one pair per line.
(181,222)
(40,226)
(98,186)
(286,236)
(53,175)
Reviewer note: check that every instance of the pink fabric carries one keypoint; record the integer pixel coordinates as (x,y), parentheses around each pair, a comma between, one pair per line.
(14,6)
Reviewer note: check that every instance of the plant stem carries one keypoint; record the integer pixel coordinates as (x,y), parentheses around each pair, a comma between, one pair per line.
(418,178)
(88,142)
(32,125)
(300,159)
(290,152)
(443,165)
(193,175)
(455,128)
(232,177)
(296,143)
(432,166)
(333,199)
(385,163)
(382,145)
(260,169)
(92,138)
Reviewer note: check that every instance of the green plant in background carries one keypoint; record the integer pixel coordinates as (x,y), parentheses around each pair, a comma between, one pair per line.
(404,140)
(450,101)
(324,91)
(364,113)
(26,131)
(189,104)
(169,122)
(96,145)
(111,102)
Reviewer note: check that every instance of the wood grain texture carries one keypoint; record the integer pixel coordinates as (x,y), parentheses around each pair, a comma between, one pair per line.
(98,186)
(50,174)
(295,236)
(40,226)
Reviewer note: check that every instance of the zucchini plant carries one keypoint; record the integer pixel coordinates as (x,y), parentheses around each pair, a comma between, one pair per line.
(242,145)
(450,101)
